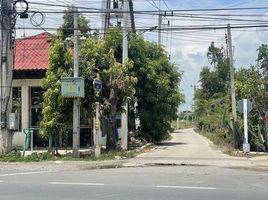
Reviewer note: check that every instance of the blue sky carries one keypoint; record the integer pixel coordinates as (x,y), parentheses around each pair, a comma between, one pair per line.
(187,48)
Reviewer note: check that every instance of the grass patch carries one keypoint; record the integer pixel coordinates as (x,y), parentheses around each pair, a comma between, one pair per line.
(113,155)
(219,137)
(16,156)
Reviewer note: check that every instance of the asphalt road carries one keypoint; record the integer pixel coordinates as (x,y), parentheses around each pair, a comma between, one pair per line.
(190,148)
(158,183)
(198,171)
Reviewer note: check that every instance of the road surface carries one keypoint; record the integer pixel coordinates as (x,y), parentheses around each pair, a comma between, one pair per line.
(189,148)
(148,180)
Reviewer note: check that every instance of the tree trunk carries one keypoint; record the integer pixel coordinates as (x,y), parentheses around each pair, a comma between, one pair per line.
(111,143)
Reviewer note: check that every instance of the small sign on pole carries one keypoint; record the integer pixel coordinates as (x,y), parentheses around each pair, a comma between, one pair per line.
(240,106)
(73,87)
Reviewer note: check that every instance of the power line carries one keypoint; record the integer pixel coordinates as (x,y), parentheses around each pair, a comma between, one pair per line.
(157,11)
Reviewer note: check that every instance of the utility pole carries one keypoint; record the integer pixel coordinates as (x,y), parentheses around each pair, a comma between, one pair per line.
(5,74)
(159,25)
(232,88)
(231,64)
(178,119)
(106,5)
(266,130)
(124,116)
(76,101)
(132,19)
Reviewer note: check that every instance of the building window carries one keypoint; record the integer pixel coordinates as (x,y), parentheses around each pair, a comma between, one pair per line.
(36,106)
(16,103)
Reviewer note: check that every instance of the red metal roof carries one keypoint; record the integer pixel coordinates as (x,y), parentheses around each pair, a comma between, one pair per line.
(32,53)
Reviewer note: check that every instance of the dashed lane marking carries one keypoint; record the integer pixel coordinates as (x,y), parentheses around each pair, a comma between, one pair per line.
(71,183)
(186,187)
(25,173)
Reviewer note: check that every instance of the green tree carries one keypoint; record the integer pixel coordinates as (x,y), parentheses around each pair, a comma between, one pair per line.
(262,59)
(212,104)
(54,122)
(66,29)
(118,82)
(157,93)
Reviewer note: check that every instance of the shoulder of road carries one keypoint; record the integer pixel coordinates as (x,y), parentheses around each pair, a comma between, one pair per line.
(154,156)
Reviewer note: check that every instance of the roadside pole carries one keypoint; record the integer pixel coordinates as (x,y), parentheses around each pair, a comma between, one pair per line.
(159,25)
(97,85)
(246,145)
(76,101)
(5,74)
(124,115)
(178,119)
(231,64)
(266,129)
(97,127)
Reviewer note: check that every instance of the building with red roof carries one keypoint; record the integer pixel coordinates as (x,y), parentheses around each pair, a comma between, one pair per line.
(31,55)
(31,60)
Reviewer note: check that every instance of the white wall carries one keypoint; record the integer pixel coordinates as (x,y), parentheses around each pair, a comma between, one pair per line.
(25,84)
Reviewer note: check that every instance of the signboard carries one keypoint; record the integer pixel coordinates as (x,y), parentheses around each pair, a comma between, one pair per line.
(97,84)
(240,106)
(73,87)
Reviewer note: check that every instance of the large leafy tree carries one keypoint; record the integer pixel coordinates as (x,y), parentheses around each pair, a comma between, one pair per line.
(54,122)
(57,118)
(213,105)
(98,55)
(262,59)
(212,99)
(157,93)
(66,29)
(157,89)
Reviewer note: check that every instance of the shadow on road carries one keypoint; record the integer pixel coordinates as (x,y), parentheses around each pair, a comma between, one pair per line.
(177,131)
(170,143)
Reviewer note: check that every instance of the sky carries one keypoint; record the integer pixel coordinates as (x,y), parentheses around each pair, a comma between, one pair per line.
(187,48)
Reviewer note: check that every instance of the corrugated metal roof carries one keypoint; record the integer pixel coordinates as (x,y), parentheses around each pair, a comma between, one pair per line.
(32,53)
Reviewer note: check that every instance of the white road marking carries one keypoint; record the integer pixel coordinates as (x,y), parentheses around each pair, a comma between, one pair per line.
(26,173)
(186,187)
(70,183)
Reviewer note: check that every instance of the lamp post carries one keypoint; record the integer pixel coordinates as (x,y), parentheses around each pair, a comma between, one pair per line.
(97,85)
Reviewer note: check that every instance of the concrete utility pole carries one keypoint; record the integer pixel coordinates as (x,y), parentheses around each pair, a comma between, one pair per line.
(5,74)
(159,25)
(266,130)
(124,116)
(106,5)
(76,101)
(178,119)
(231,64)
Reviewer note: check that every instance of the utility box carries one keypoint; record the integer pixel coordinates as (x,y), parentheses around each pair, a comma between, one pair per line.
(13,121)
(73,87)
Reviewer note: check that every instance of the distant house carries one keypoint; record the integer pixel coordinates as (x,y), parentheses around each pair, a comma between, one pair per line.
(30,64)
(31,55)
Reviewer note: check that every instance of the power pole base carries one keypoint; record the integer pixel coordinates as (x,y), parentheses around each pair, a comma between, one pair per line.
(97,151)
(246,147)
